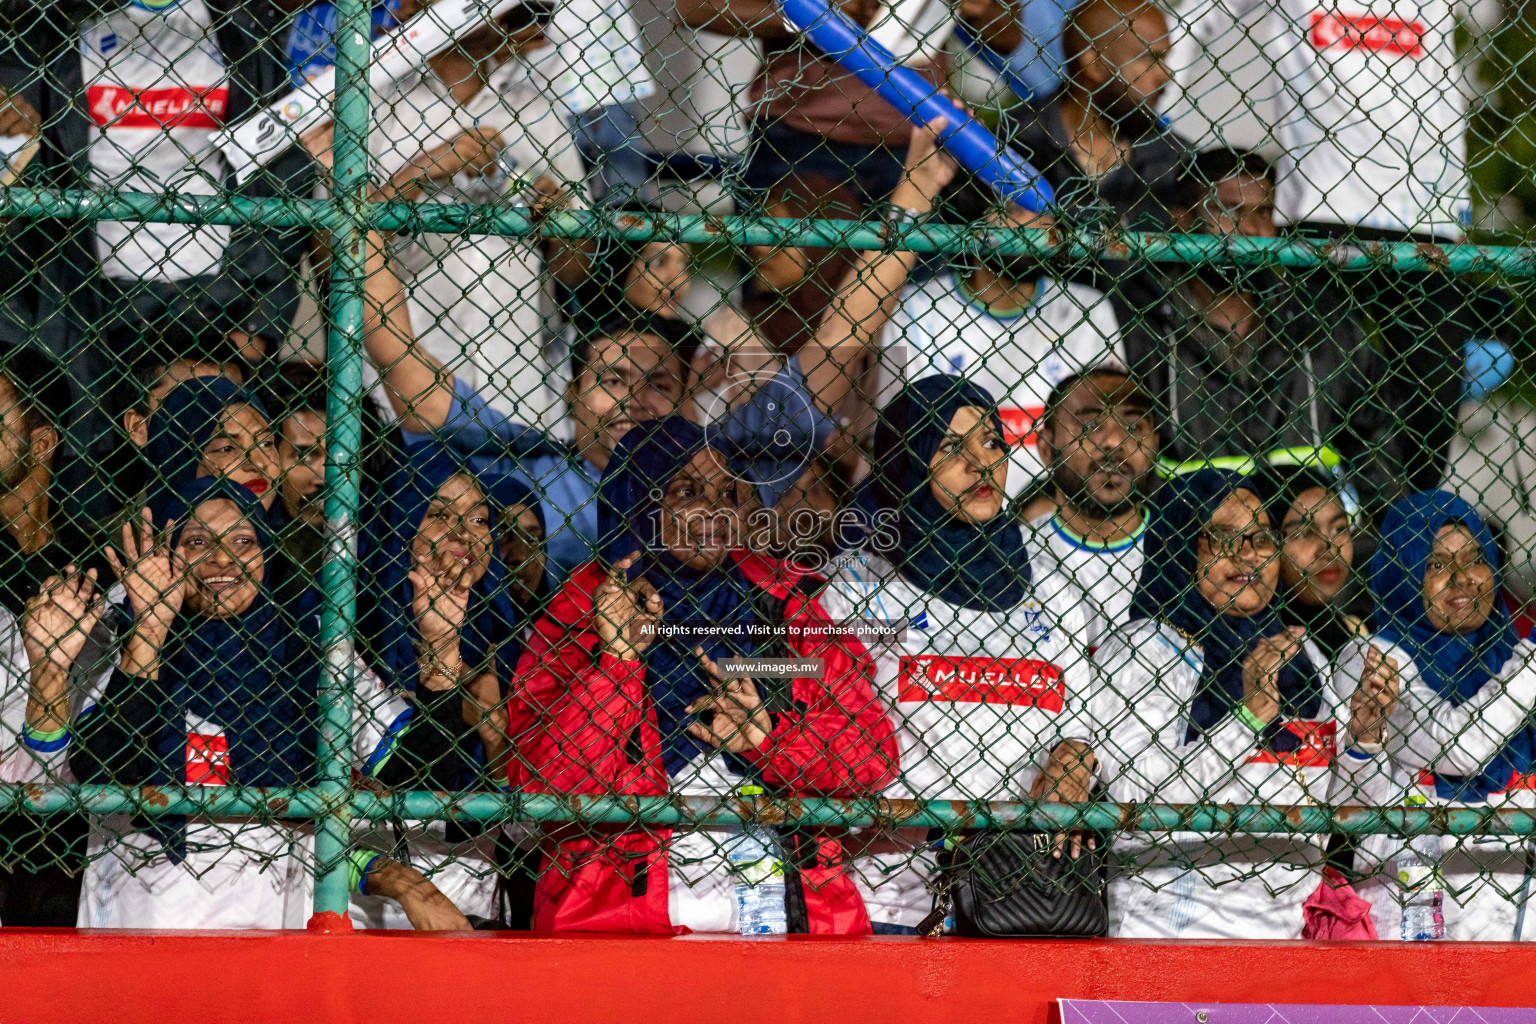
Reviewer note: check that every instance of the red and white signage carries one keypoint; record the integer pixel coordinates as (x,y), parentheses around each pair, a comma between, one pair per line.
(1019,424)
(1020,682)
(207,760)
(115,106)
(1330,30)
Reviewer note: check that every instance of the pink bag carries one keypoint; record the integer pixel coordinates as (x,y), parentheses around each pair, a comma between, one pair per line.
(1336,911)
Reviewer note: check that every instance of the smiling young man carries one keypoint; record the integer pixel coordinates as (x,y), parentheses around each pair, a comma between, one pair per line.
(295,395)
(1098,438)
(624,372)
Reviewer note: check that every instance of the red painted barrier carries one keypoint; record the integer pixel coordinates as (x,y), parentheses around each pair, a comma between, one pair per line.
(59,977)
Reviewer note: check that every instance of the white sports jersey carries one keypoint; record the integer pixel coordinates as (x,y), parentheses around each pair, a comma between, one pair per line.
(1019,358)
(1373,119)
(479,302)
(979,699)
(25,755)
(596,56)
(243,874)
(1105,574)
(1486,877)
(1184,885)
(157,91)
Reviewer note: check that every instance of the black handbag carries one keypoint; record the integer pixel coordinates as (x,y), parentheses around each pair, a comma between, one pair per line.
(1007,885)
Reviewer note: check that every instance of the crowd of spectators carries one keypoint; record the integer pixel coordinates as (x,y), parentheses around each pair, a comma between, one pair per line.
(1119,508)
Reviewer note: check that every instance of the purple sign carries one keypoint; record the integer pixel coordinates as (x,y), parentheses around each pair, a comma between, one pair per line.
(1101,1011)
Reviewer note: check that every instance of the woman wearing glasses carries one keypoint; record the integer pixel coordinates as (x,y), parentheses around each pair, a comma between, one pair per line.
(1461,734)
(1210,697)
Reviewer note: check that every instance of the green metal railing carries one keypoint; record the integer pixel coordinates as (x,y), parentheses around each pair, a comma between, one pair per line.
(703,811)
(449,218)
(344,354)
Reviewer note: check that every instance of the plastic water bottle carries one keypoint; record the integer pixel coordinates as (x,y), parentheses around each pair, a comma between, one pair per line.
(1418,873)
(757,863)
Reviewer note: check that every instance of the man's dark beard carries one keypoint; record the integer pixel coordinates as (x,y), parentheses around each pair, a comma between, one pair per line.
(1075,490)
(1231,277)
(1008,267)
(16,472)
(1134,118)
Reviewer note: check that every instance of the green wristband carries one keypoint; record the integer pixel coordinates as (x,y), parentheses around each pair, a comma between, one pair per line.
(1250,719)
(359,863)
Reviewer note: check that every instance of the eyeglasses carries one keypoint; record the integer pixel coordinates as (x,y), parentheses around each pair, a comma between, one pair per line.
(1228,543)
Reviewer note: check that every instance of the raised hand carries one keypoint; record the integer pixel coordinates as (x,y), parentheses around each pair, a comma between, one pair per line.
(739,721)
(1373,701)
(58,620)
(623,610)
(929,168)
(154,575)
(548,196)
(440,604)
(1261,671)
(17,116)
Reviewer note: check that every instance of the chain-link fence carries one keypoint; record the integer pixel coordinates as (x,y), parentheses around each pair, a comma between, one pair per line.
(998,467)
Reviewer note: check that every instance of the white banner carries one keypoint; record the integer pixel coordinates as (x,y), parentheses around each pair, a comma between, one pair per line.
(259,139)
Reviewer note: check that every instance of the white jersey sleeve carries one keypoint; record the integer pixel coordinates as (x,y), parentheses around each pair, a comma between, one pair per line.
(20,761)
(26,754)
(1429,732)
(380,713)
(1149,677)
(1207,21)
(1067,606)
(1100,342)
(535,138)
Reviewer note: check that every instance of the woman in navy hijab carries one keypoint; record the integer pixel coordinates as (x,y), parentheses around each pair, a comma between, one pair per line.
(218,684)
(438,623)
(211,426)
(988,681)
(1461,732)
(434,610)
(619,692)
(1209,697)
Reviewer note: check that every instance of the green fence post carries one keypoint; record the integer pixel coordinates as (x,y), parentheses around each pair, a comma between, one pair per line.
(344,358)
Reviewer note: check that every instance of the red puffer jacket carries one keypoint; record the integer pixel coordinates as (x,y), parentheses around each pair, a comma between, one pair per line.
(575,720)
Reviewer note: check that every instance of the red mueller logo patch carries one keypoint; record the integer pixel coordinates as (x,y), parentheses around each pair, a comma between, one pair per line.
(1316,749)
(113,106)
(1021,682)
(1334,31)
(1019,424)
(207,760)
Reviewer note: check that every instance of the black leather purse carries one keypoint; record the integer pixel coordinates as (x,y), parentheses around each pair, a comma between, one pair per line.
(1007,885)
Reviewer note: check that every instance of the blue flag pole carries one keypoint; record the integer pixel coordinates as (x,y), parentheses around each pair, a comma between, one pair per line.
(921,102)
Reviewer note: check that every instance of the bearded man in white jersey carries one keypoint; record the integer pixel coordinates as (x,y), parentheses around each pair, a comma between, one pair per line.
(1099,439)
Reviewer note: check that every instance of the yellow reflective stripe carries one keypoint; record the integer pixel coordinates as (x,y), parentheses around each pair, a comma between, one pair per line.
(1303,455)
(1306,455)
(1238,463)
